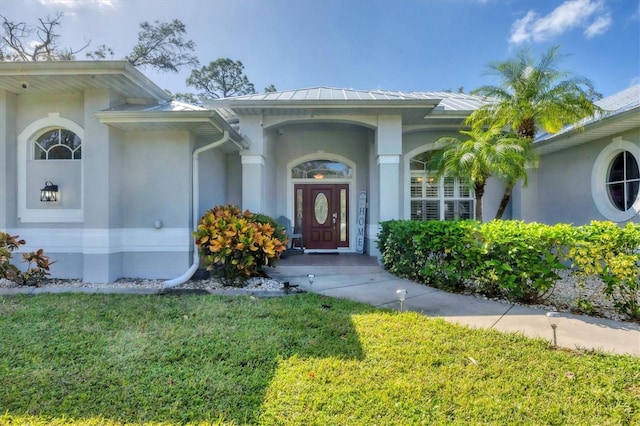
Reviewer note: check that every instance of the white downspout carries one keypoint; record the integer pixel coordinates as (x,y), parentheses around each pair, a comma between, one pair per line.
(195,188)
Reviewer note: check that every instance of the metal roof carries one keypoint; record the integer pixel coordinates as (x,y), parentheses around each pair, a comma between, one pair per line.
(621,112)
(171,116)
(446,100)
(416,108)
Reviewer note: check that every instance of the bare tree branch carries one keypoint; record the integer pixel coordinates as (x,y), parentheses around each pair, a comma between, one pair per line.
(17,44)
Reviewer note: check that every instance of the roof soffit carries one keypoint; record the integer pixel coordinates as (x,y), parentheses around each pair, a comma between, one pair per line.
(603,128)
(60,77)
(202,123)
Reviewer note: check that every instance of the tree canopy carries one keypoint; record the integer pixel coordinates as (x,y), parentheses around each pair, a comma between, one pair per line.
(222,78)
(161,45)
(484,153)
(23,42)
(534,94)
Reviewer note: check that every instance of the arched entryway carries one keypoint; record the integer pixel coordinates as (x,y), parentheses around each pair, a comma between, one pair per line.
(321,200)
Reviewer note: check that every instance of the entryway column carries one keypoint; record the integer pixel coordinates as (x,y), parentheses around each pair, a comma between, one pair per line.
(253,160)
(253,182)
(388,153)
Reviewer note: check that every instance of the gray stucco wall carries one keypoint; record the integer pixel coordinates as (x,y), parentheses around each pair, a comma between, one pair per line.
(562,192)
(156,179)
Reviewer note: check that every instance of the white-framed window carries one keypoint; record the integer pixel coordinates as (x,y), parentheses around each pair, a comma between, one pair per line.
(50,150)
(446,198)
(615,181)
(58,144)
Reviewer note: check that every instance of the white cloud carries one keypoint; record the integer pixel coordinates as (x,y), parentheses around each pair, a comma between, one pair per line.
(589,14)
(599,26)
(72,4)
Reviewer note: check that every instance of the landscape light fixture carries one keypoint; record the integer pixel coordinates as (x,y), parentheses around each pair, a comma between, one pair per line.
(553,318)
(402,296)
(310,277)
(49,192)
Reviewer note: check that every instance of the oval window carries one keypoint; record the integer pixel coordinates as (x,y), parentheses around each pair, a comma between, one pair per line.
(321,208)
(623,181)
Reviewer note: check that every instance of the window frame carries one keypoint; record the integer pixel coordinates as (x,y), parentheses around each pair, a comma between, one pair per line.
(600,181)
(51,212)
(441,198)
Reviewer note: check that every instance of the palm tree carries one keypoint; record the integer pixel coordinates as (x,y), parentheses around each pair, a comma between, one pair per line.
(531,96)
(483,154)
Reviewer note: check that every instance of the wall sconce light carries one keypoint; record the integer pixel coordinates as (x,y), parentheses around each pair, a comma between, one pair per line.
(402,295)
(552,318)
(49,192)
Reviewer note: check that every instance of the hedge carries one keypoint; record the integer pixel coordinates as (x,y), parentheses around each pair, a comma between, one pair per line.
(513,259)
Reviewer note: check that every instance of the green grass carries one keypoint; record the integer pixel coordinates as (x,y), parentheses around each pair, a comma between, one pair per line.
(303,360)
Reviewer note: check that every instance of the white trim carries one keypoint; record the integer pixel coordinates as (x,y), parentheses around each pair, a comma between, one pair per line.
(353,197)
(599,179)
(406,184)
(388,159)
(252,159)
(105,241)
(25,140)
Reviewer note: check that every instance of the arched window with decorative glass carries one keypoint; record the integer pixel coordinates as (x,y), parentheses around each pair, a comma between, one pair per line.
(446,198)
(321,169)
(58,144)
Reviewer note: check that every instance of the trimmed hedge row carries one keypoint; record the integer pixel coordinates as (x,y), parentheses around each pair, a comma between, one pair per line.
(513,259)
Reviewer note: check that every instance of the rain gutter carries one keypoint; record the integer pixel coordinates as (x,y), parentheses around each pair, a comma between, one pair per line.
(195,187)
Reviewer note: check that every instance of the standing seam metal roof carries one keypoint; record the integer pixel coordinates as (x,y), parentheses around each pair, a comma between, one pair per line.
(449,101)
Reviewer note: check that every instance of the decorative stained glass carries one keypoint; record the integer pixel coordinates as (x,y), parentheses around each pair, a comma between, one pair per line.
(343,215)
(321,208)
(299,208)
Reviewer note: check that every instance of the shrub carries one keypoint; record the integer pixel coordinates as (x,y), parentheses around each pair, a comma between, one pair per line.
(38,264)
(236,245)
(449,252)
(612,253)
(520,260)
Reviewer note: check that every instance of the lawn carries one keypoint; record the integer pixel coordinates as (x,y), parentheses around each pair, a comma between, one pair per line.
(300,360)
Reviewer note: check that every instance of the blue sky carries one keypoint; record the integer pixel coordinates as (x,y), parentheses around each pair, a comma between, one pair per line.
(366,44)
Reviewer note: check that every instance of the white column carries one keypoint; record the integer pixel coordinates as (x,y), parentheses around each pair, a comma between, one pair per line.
(253,192)
(253,160)
(388,153)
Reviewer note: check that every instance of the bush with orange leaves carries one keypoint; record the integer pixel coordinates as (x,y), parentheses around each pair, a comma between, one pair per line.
(235,245)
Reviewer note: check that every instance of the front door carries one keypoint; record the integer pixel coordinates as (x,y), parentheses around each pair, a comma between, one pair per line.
(324,211)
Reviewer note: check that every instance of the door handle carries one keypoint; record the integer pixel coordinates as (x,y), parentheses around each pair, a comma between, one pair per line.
(334,219)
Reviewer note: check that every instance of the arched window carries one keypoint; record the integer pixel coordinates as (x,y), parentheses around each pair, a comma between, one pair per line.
(623,181)
(321,169)
(58,144)
(50,150)
(446,198)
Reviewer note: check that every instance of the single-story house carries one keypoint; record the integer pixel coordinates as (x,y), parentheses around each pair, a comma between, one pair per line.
(109,176)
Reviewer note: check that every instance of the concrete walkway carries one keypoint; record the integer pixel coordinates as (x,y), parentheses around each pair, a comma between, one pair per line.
(367,282)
